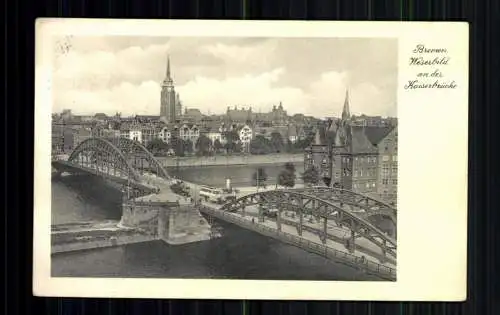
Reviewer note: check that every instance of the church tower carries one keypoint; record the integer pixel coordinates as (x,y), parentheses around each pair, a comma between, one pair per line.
(168,97)
(344,156)
(346,114)
(178,106)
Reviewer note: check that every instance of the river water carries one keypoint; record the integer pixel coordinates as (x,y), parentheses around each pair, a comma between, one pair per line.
(239,254)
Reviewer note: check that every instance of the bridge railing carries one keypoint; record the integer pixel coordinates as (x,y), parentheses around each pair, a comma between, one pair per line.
(59,157)
(323,250)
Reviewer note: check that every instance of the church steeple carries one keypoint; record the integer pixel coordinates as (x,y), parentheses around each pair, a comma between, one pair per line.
(168,67)
(346,114)
(168,77)
(169,109)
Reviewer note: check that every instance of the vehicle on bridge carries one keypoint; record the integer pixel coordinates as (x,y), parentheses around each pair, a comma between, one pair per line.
(217,195)
(180,188)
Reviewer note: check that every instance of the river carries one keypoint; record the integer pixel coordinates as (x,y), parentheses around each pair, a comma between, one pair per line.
(239,254)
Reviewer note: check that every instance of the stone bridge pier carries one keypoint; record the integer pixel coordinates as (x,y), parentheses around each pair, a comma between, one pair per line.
(170,222)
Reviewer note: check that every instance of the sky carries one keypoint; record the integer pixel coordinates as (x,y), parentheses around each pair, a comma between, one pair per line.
(308,75)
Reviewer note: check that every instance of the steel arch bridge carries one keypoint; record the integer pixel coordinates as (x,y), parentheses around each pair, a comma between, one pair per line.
(121,160)
(124,154)
(302,203)
(102,154)
(364,206)
(140,157)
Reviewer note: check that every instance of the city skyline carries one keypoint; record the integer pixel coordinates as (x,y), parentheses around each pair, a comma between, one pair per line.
(124,74)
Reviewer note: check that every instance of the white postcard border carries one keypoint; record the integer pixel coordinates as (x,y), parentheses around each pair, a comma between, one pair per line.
(432,186)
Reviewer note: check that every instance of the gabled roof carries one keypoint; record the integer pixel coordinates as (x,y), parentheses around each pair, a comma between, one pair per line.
(377,134)
(360,142)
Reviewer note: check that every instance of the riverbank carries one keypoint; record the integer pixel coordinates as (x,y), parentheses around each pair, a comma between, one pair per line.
(84,243)
(192,161)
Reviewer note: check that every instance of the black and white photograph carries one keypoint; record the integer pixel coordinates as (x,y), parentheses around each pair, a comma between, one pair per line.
(226,157)
(246,158)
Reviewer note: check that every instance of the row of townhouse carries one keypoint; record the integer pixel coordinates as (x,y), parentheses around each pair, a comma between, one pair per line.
(66,138)
(145,132)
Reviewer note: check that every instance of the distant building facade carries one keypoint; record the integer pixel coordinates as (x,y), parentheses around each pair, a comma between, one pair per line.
(388,170)
(355,157)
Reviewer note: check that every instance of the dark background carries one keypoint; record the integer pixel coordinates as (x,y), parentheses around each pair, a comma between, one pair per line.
(483,249)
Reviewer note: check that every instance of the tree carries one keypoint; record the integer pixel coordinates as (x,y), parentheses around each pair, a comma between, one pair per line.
(287,176)
(217,145)
(277,141)
(237,147)
(290,167)
(260,145)
(178,146)
(188,146)
(311,176)
(327,181)
(157,147)
(203,145)
(232,139)
(259,178)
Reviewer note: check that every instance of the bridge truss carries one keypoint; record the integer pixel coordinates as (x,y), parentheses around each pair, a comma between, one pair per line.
(104,156)
(139,156)
(364,206)
(303,204)
(120,159)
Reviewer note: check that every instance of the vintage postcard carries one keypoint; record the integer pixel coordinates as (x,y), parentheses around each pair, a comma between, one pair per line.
(251,159)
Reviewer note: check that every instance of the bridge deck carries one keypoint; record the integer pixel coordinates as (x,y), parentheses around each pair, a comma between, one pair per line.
(310,241)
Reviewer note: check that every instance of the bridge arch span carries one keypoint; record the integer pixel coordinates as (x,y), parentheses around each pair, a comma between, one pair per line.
(306,204)
(130,148)
(371,206)
(106,151)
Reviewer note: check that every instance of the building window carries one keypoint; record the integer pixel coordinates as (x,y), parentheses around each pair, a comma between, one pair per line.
(394,169)
(394,158)
(385,181)
(385,170)
(385,158)
(394,181)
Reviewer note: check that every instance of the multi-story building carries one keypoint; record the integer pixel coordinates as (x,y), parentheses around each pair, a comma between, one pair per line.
(62,139)
(80,135)
(373,121)
(166,134)
(245,133)
(240,115)
(292,134)
(387,145)
(345,156)
(214,134)
(276,117)
(189,132)
(142,132)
